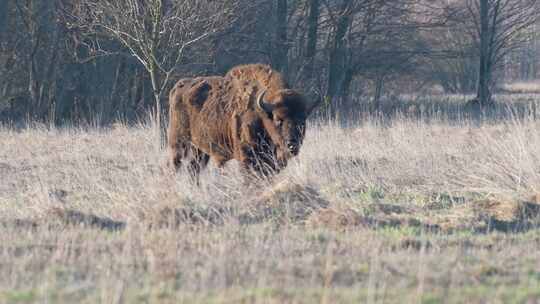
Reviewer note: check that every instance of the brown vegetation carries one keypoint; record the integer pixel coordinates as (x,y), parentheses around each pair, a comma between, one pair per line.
(403,210)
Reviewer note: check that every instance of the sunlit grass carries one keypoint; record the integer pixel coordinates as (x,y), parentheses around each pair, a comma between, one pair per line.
(381,209)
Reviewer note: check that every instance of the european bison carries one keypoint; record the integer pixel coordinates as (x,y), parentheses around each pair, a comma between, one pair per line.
(250,115)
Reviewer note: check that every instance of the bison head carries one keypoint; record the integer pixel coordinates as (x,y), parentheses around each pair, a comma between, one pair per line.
(288,111)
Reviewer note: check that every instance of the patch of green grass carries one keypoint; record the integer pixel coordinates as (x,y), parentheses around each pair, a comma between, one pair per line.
(372,194)
(526,291)
(432,299)
(407,197)
(446,200)
(320,236)
(523,294)
(18,296)
(400,232)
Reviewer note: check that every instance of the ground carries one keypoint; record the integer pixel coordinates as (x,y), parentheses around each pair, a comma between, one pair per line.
(432,204)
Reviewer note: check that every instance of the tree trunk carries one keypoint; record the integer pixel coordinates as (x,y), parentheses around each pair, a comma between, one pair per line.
(156,93)
(379,88)
(32,86)
(281,47)
(484,71)
(154,69)
(337,57)
(311,45)
(345,90)
(48,84)
(4,14)
(139,94)
(107,109)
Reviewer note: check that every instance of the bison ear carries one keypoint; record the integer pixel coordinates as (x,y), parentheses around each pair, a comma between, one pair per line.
(263,104)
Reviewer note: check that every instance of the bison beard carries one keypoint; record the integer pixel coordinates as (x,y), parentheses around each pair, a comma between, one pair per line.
(250,115)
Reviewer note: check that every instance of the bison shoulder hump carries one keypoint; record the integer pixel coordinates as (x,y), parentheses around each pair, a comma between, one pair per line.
(199,93)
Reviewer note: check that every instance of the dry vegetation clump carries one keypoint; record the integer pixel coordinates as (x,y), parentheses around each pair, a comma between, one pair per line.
(477,216)
(59,217)
(488,215)
(386,210)
(381,173)
(522,87)
(286,202)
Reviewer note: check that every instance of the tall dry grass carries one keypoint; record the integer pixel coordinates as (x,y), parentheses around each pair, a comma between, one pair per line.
(120,171)
(94,215)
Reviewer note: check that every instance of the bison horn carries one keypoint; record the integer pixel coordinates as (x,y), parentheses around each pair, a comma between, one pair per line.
(263,105)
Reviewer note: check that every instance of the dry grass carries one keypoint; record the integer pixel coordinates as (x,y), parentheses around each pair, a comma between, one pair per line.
(414,210)
(529,87)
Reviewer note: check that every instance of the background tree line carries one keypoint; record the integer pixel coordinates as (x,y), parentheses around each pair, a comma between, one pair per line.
(103,60)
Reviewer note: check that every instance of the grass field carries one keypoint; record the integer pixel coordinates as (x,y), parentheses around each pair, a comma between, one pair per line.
(422,207)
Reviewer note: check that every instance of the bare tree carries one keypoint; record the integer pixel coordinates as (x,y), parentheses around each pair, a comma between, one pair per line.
(3,18)
(312,29)
(497,28)
(57,62)
(155,32)
(454,65)
(374,39)
(41,34)
(281,45)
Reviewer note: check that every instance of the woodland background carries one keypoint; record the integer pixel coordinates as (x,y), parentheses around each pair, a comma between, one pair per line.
(102,61)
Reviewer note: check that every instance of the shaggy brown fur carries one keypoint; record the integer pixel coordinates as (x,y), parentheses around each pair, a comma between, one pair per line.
(250,115)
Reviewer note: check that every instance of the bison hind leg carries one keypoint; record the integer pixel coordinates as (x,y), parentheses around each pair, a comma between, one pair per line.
(195,159)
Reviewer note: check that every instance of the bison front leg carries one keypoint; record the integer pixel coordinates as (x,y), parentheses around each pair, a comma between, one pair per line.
(198,161)
(245,147)
(256,165)
(177,152)
(178,131)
